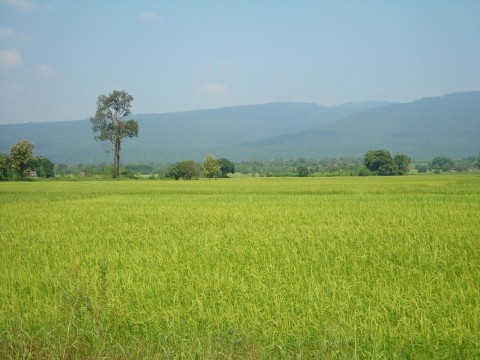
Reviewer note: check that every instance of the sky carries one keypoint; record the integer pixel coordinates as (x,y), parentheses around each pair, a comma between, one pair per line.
(57,57)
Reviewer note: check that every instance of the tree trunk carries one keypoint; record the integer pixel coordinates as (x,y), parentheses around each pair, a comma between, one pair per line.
(116,159)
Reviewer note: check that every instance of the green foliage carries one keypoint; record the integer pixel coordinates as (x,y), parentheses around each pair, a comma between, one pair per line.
(109,125)
(46,167)
(464,164)
(401,164)
(444,164)
(380,162)
(21,158)
(441,163)
(303,171)
(4,167)
(76,171)
(422,168)
(363,171)
(241,268)
(107,122)
(345,166)
(187,169)
(436,169)
(140,168)
(226,167)
(210,167)
(278,168)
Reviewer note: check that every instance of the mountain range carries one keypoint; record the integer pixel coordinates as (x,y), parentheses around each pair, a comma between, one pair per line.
(439,126)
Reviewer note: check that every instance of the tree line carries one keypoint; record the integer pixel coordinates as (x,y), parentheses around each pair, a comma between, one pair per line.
(21,164)
(211,168)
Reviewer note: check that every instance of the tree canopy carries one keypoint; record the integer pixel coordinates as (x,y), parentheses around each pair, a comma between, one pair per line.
(21,158)
(401,163)
(303,171)
(210,167)
(441,163)
(3,167)
(226,167)
(46,167)
(381,162)
(186,170)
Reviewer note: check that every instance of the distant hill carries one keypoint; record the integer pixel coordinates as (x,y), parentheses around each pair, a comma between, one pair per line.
(446,126)
(440,126)
(172,137)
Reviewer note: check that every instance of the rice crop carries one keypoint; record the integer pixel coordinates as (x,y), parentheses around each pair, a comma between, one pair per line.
(254,268)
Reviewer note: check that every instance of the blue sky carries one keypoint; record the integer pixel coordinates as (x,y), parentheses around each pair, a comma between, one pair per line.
(57,57)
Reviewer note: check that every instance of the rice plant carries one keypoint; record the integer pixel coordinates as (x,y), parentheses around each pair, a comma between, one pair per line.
(241,268)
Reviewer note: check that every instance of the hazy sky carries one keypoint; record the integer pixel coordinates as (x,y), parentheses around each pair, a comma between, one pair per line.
(57,57)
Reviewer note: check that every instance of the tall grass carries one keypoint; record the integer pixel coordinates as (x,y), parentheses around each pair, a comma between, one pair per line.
(242,268)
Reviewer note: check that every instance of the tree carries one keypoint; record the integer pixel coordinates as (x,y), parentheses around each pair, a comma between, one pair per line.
(226,167)
(47,167)
(477,161)
(186,169)
(302,171)
(21,157)
(463,165)
(436,169)
(441,163)
(108,123)
(4,167)
(379,162)
(363,171)
(421,168)
(210,167)
(402,163)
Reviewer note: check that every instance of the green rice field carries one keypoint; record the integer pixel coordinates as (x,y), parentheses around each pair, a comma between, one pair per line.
(241,268)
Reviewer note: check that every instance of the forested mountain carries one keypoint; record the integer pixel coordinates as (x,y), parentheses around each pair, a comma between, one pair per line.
(446,126)
(172,136)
